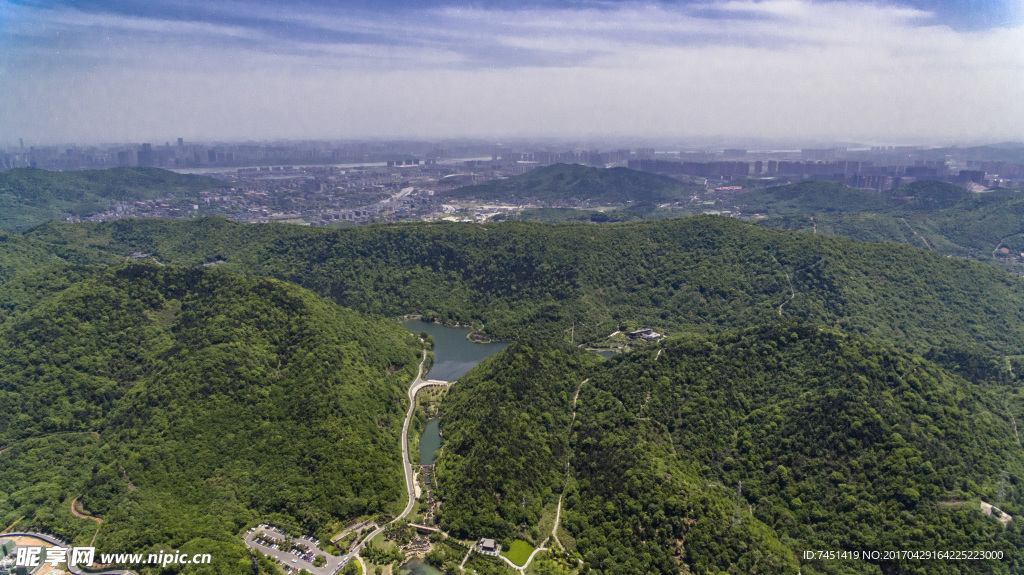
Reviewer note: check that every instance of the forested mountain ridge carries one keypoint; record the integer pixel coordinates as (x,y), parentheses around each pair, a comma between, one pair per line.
(222,398)
(29,196)
(946,218)
(810,197)
(695,274)
(823,197)
(181,405)
(31,270)
(839,444)
(989,230)
(577,183)
(518,445)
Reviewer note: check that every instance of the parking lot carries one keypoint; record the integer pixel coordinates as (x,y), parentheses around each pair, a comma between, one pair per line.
(291,560)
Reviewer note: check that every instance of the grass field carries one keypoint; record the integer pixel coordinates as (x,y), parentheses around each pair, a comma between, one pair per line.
(519,552)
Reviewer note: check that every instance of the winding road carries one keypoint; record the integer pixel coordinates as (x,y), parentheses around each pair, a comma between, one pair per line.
(54,541)
(410,485)
(417,384)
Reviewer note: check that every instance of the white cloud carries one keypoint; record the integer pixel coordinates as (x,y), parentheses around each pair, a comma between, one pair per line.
(775,68)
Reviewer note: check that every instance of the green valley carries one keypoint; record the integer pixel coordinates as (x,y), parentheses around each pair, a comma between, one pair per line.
(182,405)
(681,275)
(814,392)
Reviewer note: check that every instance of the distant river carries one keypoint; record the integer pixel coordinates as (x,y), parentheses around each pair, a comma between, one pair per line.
(234,169)
(454,355)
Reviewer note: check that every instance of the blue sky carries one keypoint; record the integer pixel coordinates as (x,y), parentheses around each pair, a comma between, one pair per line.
(89,71)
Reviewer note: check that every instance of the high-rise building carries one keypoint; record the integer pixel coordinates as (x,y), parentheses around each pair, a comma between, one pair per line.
(146,155)
(975,176)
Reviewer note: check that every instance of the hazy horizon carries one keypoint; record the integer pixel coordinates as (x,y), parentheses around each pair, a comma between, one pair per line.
(913,72)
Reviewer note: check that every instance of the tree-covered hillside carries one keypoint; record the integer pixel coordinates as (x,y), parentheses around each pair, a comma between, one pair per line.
(934,216)
(739,451)
(517,443)
(180,402)
(30,196)
(810,197)
(683,275)
(181,405)
(929,195)
(577,184)
(31,270)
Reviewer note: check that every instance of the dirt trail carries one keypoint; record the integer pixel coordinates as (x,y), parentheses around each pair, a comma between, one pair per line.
(920,236)
(558,517)
(576,398)
(1000,244)
(99,522)
(1013,420)
(792,294)
(558,511)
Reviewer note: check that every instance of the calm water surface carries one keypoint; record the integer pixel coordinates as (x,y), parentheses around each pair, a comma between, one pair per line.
(418,567)
(454,355)
(430,442)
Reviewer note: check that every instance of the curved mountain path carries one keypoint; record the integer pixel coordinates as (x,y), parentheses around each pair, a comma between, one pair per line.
(99,522)
(77,513)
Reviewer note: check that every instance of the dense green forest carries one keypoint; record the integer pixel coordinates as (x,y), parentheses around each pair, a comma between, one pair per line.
(950,220)
(936,216)
(681,275)
(818,197)
(181,405)
(736,452)
(516,444)
(30,196)
(632,212)
(810,198)
(577,183)
(873,404)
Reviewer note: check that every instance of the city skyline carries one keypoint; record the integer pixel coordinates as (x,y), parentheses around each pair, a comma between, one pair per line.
(89,72)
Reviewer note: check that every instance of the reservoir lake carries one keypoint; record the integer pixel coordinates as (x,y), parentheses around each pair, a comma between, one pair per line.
(454,355)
